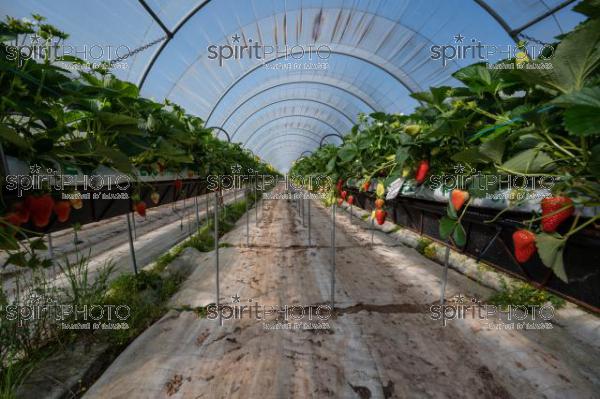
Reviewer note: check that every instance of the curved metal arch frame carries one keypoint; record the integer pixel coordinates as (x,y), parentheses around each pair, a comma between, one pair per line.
(290,116)
(199,7)
(256,67)
(329,135)
(307,99)
(276,148)
(291,99)
(267,135)
(262,146)
(367,103)
(222,130)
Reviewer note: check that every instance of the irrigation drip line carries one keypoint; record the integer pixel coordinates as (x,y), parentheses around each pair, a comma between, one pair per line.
(486,130)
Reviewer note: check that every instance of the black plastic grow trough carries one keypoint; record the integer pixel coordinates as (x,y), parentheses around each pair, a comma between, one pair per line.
(108,204)
(491,243)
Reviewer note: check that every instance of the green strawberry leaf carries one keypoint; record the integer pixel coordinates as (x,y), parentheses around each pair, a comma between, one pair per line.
(529,161)
(38,245)
(582,120)
(446,227)
(459,235)
(550,248)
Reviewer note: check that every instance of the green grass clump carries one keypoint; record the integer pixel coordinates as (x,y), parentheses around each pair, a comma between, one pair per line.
(430,252)
(145,294)
(523,294)
(422,243)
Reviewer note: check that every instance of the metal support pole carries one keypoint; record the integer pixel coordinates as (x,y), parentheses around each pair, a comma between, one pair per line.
(207,208)
(134,229)
(444,280)
(302,210)
(51,253)
(333,257)
(304,201)
(217,252)
(350,213)
(255,205)
(50,247)
(131,248)
(247,219)
(372,230)
(197,213)
(309,222)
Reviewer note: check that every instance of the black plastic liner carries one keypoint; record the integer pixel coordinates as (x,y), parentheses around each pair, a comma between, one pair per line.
(94,210)
(492,244)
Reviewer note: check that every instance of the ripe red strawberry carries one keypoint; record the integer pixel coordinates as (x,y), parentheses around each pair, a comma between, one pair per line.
(366,185)
(551,205)
(380,215)
(458,198)
(140,208)
(524,242)
(422,170)
(340,201)
(178,184)
(155,197)
(40,209)
(13,218)
(379,202)
(339,185)
(350,200)
(21,210)
(62,210)
(344,194)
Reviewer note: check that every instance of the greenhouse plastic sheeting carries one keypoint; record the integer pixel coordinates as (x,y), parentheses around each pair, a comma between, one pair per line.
(378,52)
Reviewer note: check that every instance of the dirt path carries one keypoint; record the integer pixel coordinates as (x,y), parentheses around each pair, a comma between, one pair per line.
(382,343)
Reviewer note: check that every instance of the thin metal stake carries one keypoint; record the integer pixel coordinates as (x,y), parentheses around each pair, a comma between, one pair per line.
(197,213)
(303,213)
(333,257)
(207,208)
(51,253)
(247,219)
(131,247)
(308,222)
(350,213)
(372,230)
(255,206)
(134,229)
(444,279)
(217,252)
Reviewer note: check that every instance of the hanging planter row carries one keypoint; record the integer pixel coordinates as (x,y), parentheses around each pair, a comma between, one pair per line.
(492,243)
(515,148)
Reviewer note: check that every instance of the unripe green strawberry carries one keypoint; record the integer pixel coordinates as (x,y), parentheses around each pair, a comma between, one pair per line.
(155,197)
